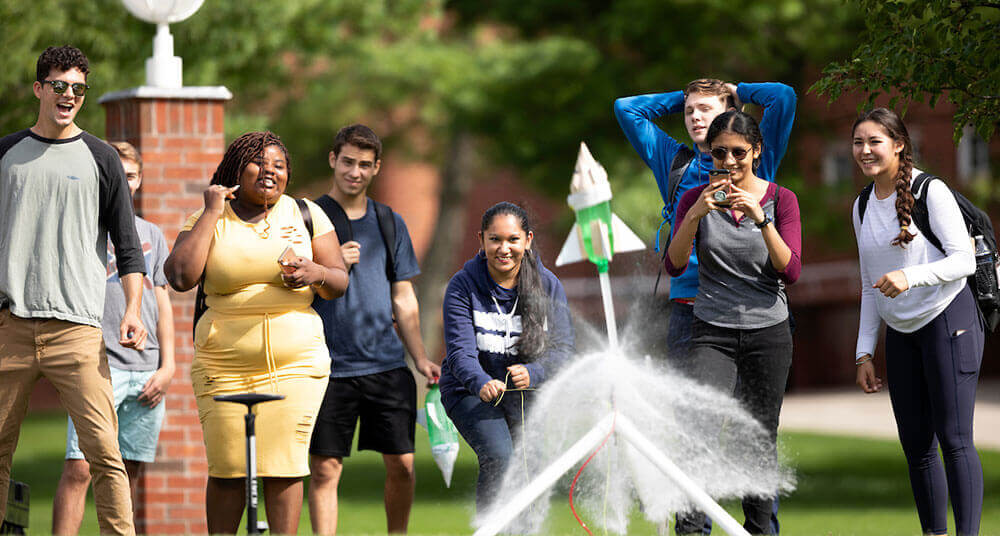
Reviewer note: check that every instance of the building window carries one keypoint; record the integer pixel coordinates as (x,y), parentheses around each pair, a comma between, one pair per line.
(973,156)
(838,164)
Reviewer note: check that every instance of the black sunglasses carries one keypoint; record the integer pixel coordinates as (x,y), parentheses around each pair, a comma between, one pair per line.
(60,87)
(739,153)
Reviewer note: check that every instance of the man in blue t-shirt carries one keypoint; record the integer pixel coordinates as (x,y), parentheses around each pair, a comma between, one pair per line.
(369,379)
(701,101)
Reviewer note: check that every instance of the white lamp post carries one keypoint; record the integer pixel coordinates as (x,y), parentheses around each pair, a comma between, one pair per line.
(163,70)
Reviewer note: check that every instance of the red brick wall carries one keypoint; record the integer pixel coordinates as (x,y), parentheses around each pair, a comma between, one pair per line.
(181,142)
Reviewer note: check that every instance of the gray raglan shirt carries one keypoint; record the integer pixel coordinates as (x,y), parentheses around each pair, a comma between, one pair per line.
(59,202)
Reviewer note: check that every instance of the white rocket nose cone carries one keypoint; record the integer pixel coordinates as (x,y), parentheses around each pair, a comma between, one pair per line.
(588,173)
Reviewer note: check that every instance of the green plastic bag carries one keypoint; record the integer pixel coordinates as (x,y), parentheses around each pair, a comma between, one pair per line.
(442,433)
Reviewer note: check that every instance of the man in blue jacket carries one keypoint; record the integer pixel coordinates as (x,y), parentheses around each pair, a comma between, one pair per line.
(678,168)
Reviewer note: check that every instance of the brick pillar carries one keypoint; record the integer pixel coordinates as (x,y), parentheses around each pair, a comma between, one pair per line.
(180,136)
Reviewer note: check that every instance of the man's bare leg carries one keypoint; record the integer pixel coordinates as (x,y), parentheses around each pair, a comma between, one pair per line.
(325,477)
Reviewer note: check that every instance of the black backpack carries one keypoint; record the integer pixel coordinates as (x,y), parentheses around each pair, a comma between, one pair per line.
(678,166)
(978,224)
(386,226)
(199,298)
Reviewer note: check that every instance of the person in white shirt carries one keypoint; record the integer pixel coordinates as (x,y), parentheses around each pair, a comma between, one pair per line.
(934,331)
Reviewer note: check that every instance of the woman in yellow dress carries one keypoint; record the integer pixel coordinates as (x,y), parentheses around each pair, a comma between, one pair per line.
(259,332)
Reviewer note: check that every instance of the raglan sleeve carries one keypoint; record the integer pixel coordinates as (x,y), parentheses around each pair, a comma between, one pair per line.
(116,214)
(688,200)
(788,222)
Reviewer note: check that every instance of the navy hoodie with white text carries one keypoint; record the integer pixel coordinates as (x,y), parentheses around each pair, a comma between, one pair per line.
(480,332)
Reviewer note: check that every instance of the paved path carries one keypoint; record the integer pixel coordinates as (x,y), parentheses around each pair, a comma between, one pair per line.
(851,412)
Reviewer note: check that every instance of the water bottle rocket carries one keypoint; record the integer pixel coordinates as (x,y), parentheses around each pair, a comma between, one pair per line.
(596,236)
(598,233)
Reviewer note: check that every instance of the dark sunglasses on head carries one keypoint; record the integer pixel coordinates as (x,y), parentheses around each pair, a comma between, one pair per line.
(60,87)
(739,153)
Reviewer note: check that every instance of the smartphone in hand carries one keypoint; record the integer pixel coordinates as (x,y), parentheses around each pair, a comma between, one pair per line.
(286,259)
(721,196)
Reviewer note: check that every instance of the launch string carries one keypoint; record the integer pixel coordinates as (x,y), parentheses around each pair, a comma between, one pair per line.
(524,448)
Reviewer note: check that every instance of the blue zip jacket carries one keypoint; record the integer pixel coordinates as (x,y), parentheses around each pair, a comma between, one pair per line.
(657,148)
(479,331)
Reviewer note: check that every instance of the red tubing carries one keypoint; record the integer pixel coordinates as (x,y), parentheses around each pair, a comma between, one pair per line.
(580,471)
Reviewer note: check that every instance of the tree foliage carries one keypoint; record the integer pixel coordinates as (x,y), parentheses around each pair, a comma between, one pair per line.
(929,49)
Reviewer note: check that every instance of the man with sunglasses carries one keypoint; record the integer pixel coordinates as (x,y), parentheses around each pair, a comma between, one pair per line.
(62,193)
(678,167)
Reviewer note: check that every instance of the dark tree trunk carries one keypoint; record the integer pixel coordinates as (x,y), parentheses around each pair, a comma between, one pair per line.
(438,266)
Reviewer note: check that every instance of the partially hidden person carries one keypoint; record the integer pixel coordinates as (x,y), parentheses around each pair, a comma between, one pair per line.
(139,378)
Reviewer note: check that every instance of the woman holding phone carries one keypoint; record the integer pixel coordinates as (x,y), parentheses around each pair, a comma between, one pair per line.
(747,232)
(259,332)
(934,331)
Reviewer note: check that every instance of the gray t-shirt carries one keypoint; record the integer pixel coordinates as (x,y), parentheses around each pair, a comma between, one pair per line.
(154,249)
(738,287)
(60,200)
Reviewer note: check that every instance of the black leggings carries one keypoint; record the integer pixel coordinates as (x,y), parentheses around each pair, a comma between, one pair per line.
(932,375)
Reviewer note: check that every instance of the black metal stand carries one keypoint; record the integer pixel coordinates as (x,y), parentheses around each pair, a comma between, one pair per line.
(249,399)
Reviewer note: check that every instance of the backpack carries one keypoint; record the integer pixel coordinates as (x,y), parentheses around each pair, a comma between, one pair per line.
(978,224)
(678,166)
(199,299)
(386,226)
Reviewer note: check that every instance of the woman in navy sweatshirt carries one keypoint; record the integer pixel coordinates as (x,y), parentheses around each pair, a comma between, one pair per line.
(506,328)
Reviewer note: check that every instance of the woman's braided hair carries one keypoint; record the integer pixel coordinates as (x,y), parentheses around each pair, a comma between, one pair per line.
(244,150)
(896,130)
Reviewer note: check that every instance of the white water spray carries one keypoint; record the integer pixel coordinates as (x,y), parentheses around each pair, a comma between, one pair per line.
(667,420)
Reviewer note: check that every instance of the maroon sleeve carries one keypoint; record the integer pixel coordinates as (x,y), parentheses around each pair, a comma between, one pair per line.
(687,201)
(789,226)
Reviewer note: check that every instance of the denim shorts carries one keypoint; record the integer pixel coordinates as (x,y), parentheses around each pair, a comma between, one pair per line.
(138,425)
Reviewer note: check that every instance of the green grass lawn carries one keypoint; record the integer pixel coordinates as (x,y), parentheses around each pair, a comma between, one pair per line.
(847,486)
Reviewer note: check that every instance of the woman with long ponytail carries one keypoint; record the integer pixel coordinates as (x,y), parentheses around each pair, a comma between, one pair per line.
(934,333)
(507,328)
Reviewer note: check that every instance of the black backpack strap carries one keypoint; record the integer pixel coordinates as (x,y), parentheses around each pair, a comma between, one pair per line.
(387,226)
(681,162)
(678,166)
(199,308)
(341,223)
(919,214)
(307,216)
(866,192)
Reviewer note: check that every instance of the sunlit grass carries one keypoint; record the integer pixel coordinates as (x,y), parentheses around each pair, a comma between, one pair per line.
(847,486)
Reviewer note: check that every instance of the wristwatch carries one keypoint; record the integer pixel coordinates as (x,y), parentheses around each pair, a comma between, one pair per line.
(767,219)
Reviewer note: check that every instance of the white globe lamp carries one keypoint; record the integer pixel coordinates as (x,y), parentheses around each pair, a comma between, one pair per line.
(163,70)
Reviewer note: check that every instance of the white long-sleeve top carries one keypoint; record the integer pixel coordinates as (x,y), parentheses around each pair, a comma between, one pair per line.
(935,278)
